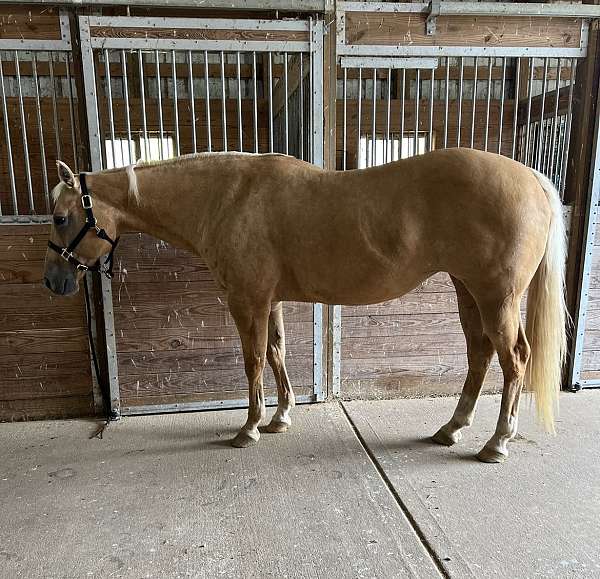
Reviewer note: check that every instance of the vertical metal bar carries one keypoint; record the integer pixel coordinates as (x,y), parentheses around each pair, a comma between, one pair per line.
(302,105)
(344,120)
(271,102)
(568,127)
(38,109)
(175,107)
(54,107)
(446,102)
(417,98)
(11,168)
(501,121)
(127,113)
(285,102)
(476,67)
(374,119)
(159,96)
(430,144)
(192,101)
(528,125)
(207,86)
(541,132)
(143,102)
(516,106)
(358,120)
(388,120)
(239,102)
(311,117)
(223,102)
(460,99)
(24,134)
(489,100)
(553,148)
(71,113)
(110,105)
(402,113)
(255,103)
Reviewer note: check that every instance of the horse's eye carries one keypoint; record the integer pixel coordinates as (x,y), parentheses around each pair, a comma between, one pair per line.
(59,220)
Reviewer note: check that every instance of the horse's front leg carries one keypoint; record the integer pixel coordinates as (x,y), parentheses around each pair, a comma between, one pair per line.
(252,321)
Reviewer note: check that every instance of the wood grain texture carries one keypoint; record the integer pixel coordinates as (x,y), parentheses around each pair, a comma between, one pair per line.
(200,34)
(44,353)
(29,22)
(390,28)
(174,334)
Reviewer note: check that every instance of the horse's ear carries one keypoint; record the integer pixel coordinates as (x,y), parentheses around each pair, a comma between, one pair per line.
(65,174)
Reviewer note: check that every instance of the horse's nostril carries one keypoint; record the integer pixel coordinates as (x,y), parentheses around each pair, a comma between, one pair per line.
(47,283)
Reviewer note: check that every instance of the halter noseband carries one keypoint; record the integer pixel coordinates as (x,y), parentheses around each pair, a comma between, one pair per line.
(90,223)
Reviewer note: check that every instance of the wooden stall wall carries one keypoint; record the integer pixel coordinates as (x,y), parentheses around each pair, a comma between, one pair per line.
(590,364)
(176,341)
(44,358)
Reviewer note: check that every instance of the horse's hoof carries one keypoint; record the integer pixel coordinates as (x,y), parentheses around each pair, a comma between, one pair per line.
(276,426)
(245,439)
(443,437)
(491,455)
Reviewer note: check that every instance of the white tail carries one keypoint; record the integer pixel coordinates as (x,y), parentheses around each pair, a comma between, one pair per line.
(547,315)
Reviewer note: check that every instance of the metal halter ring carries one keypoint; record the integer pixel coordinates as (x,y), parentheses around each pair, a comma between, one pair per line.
(86,201)
(66,254)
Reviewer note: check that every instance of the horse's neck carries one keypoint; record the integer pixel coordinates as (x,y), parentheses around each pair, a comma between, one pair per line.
(171,203)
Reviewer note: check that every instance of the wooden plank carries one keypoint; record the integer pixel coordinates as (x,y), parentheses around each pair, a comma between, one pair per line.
(130,340)
(21,271)
(377,350)
(44,340)
(384,326)
(46,364)
(403,29)
(72,383)
(411,303)
(46,408)
(192,383)
(214,359)
(29,22)
(33,297)
(204,396)
(249,35)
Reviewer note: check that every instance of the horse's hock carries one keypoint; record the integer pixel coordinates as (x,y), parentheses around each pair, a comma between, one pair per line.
(140,85)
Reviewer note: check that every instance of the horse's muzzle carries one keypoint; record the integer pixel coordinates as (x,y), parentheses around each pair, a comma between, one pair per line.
(60,281)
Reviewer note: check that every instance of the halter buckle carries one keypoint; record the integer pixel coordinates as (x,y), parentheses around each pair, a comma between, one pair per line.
(86,201)
(66,254)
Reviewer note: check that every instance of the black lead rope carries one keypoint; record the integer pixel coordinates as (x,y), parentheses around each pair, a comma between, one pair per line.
(67,254)
(102,383)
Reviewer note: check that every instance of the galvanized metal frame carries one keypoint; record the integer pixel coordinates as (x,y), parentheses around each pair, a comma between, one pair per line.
(587,252)
(314,46)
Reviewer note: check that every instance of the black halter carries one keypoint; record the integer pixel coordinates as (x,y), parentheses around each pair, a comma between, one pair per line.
(90,223)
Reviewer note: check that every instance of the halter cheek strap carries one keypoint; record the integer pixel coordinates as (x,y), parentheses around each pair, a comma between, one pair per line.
(90,223)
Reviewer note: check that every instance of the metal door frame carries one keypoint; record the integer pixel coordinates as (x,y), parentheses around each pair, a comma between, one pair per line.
(314,46)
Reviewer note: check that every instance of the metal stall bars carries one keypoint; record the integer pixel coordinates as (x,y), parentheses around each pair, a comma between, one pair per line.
(37,103)
(157,88)
(412,90)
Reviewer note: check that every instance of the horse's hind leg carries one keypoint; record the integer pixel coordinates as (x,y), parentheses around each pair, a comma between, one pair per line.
(276,357)
(479,355)
(252,321)
(502,323)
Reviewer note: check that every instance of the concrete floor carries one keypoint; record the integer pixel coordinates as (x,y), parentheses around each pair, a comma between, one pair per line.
(351,491)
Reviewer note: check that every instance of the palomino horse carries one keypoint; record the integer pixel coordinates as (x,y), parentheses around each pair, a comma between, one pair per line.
(273,228)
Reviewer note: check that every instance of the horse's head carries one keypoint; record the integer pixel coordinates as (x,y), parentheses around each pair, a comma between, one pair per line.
(83,230)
